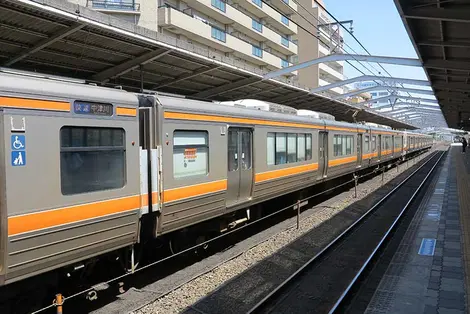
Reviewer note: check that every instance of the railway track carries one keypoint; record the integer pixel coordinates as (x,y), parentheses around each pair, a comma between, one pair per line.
(323,282)
(170,266)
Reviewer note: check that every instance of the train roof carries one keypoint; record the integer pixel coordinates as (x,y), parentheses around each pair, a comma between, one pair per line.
(204,107)
(22,84)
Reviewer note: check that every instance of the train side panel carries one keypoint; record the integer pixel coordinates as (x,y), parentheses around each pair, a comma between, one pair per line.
(3,205)
(73,193)
(278,173)
(194,175)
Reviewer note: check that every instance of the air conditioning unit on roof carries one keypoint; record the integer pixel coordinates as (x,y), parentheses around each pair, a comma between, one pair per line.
(315,114)
(263,105)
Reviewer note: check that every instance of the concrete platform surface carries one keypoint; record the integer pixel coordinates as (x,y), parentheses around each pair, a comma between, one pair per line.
(428,271)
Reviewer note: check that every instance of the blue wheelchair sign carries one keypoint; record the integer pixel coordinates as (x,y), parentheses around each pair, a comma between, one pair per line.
(18,158)
(18,142)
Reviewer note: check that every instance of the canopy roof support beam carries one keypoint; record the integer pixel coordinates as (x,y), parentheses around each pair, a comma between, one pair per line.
(382,87)
(369,78)
(344,57)
(45,42)
(125,67)
(395,97)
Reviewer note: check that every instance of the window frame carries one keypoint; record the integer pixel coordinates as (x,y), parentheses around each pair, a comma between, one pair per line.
(87,149)
(254,51)
(219,5)
(256,25)
(284,20)
(191,146)
(215,31)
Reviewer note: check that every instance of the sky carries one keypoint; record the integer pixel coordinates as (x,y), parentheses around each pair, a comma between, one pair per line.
(378,26)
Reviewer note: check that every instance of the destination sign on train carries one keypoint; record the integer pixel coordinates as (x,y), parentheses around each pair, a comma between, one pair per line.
(81,107)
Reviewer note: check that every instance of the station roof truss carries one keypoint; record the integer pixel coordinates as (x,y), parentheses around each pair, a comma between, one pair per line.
(439,32)
(57,37)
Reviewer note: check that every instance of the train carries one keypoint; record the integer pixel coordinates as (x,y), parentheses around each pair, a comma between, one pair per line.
(87,170)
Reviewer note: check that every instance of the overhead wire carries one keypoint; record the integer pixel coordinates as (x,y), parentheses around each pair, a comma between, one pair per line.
(318,37)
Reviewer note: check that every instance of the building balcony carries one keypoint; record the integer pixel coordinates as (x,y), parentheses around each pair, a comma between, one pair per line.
(285,6)
(330,72)
(241,22)
(270,15)
(116,6)
(177,22)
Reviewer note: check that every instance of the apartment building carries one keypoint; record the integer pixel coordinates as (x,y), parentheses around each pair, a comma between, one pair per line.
(318,36)
(252,31)
(261,33)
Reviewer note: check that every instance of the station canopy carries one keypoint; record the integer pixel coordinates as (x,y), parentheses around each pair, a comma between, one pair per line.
(61,38)
(439,32)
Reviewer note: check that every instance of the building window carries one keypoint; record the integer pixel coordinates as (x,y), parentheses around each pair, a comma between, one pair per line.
(125,5)
(285,41)
(383,94)
(218,34)
(258,3)
(190,153)
(373,94)
(256,51)
(218,4)
(257,25)
(284,63)
(284,20)
(92,159)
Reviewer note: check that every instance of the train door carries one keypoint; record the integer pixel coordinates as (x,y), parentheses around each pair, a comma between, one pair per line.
(240,165)
(359,150)
(322,155)
(3,208)
(379,145)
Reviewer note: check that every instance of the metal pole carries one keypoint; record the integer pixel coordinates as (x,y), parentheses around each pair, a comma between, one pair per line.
(298,214)
(141,78)
(383,172)
(355,186)
(398,164)
(59,300)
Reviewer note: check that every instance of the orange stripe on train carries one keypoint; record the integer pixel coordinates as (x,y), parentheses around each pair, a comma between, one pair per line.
(23,103)
(194,190)
(269,175)
(129,112)
(62,216)
(337,162)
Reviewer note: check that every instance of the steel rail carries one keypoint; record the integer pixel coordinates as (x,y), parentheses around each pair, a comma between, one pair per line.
(292,277)
(371,256)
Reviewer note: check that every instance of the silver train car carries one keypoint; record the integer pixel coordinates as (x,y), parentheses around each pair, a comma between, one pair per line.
(87,170)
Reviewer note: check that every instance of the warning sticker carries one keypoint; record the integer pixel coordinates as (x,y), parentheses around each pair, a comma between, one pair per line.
(190,154)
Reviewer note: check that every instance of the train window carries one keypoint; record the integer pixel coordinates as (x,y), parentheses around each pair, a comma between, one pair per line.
(291,148)
(271,149)
(281,148)
(342,145)
(301,147)
(349,144)
(366,144)
(374,143)
(92,159)
(246,150)
(232,151)
(190,153)
(308,147)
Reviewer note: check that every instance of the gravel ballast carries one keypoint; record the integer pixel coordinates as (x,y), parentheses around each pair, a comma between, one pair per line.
(244,255)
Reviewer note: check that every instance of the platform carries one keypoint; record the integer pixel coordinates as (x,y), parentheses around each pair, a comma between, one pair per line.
(427,273)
